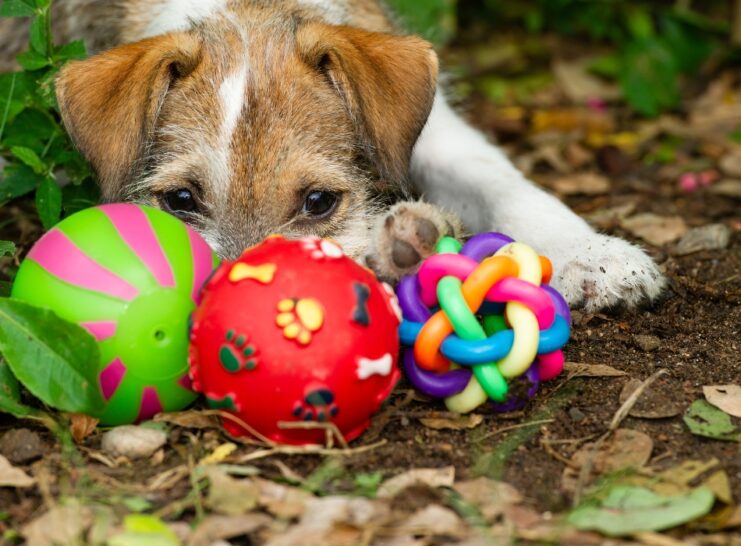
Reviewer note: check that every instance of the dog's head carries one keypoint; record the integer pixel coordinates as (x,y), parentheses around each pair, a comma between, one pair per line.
(251,128)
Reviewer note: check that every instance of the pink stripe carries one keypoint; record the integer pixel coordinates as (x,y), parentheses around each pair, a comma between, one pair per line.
(202,263)
(77,268)
(111,377)
(186,382)
(136,230)
(151,404)
(101,330)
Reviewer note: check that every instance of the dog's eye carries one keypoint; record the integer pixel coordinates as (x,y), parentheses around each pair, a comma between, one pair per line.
(320,203)
(180,201)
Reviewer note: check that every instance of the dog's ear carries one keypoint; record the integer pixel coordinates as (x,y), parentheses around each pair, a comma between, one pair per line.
(387,82)
(109,103)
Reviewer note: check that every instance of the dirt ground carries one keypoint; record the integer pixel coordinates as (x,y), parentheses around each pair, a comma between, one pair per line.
(692,334)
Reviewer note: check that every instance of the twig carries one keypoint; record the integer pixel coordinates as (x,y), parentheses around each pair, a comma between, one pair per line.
(513,427)
(617,419)
(330,429)
(308,450)
(231,417)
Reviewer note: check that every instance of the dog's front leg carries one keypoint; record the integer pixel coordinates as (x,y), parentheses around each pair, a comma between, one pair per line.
(454,165)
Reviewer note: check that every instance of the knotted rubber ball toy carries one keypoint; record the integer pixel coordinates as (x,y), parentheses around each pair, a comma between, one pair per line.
(295,334)
(481,323)
(131,276)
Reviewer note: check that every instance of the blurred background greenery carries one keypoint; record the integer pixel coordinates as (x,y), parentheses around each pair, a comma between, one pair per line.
(648,47)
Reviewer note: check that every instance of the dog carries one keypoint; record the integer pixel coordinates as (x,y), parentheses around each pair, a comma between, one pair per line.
(246,118)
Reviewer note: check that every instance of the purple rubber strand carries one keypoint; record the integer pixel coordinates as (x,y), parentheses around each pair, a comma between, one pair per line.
(484,245)
(562,308)
(517,403)
(411,304)
(436,385)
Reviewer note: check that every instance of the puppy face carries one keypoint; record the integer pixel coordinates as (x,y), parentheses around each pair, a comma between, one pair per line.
(243,128)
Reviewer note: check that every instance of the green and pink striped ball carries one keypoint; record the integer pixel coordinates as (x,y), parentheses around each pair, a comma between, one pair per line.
(131,275)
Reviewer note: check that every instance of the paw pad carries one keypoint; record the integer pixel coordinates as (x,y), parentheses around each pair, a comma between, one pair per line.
(300,318)
(317,405)
(236,354)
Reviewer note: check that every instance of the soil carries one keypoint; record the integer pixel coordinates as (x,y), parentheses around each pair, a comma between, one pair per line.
(697,323)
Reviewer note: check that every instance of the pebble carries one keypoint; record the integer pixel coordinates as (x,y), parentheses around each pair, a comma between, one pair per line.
(133,442)
(21,446)
(647,343)
(576,414)
(710,237)
(731,164)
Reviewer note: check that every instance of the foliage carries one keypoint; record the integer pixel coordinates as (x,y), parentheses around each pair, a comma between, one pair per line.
(39,154)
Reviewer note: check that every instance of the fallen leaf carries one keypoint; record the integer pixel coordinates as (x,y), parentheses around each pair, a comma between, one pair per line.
(433,520)
(461,422)
(710,422)
(230,496)
(658,401)
(431,477)
(581,184)
(11,476)
(629,510)
(605,218)
(581,369)
(133,442)
(216,528)
(725,397)
(654,229)
(625,449)
(60,526)
(280,500)
(579,85)
(710,237)
(647,343)
(720,485)
(82,426)
(144,530)
(728,188)
(491,497)
(188,419)
(219,454)
(731,164)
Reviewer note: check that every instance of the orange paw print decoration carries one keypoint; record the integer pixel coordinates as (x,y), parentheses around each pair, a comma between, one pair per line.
(294,331)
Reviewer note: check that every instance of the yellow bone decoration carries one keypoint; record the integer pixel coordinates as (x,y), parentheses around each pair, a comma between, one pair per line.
(264,273)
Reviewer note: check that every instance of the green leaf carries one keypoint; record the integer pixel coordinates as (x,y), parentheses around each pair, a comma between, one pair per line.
(10,394)
(433,19)
(7,248)
(40,39)
(78,197)
(30,60)
(649,77)
(71,51)
(629,510)
(16,8)
(29,157)
(143,530)
(49,202)
(57,361)
(5,289)
(706,420)
(18,181)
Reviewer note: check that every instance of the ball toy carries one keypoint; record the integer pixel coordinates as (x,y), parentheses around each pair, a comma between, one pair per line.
(294,334)
(131,276)
(481,323)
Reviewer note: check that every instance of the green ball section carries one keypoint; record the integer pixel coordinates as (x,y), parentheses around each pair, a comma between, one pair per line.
(151,337)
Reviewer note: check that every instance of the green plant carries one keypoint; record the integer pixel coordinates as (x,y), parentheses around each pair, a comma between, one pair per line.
(40,156)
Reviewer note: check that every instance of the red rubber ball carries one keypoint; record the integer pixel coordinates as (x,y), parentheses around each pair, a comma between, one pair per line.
(292,334)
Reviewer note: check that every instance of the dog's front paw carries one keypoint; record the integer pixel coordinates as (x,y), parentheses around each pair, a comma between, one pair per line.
(406,235)
(602,272)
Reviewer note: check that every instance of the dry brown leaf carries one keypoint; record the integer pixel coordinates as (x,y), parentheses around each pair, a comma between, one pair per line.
(729,188)
(60,526)
(710,237)
(82,426)
(491,497)
(581,183)
(660,399)
(10,476)
(215,528)
(579,85)
(220,454)
(230,496)
(581,369)
(626,448)
(605,218)
(431,477)
(189,419)
(654,229)
(433,520)
(719,484)
(726,398)
(282,501)
(133,442)
(461,422)
(731,164)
